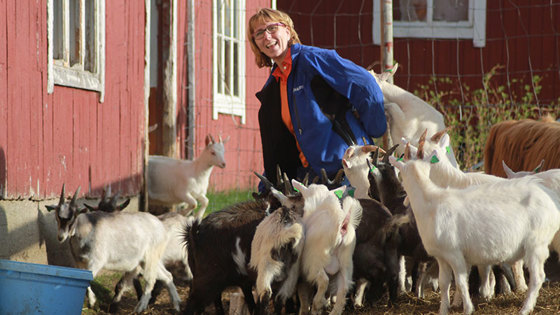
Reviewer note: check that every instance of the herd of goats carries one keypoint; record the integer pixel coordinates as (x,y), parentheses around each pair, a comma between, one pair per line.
(310,245)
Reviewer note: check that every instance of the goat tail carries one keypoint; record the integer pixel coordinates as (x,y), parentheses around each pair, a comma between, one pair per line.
(352,210)
(189,238)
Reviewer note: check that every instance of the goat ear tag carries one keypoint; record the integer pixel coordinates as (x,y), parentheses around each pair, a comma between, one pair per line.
(351,192)
(434,159)
(338,193)
(447,149)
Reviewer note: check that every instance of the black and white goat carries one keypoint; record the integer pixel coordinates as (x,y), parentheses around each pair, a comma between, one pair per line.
(132,242)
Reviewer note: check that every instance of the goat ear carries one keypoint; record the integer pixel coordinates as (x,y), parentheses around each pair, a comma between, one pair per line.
(209,140)
(124,204)
(91,208)
(539,167)
(279,195)
(224,141)
(507,170)
(299,186)
(50,207)
(396,163)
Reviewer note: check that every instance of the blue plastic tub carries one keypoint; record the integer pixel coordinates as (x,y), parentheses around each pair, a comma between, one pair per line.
(27,288)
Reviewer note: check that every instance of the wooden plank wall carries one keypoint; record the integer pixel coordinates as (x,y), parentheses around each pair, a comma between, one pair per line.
(68,136)
(522,36)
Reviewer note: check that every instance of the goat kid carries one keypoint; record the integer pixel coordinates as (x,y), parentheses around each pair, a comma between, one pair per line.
(172,181)
(131,242)
(330,239)
(454,226)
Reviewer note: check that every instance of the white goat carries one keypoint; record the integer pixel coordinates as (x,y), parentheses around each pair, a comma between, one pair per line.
(132,242)
(354,163)
(407,114)
(481,225)
(176,251)
(330,238)
(172,181)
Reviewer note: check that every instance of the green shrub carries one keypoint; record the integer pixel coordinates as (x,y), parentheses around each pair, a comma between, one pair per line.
(471,113)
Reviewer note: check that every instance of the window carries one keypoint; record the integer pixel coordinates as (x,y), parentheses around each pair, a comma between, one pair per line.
(451,19)
(76,44)
(229,58)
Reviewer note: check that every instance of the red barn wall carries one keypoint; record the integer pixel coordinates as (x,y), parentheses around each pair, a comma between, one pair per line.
(243,151)
(69,136)
(523,36)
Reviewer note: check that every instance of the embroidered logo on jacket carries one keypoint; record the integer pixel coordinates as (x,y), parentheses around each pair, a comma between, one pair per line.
(297,88)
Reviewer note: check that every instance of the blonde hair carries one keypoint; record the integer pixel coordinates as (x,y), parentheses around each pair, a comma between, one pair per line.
(263,16)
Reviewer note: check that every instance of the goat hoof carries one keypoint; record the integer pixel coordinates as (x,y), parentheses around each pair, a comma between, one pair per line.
(113,308)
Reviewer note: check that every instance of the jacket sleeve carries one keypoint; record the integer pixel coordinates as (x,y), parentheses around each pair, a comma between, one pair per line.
(354,82)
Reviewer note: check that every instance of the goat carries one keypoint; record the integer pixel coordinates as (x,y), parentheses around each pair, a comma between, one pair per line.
(408,115)
(354,164)
(172,181)
(132,242)
(403,226)
(521,144)
(219,248)
(443,174)
(329,244)
(454,225)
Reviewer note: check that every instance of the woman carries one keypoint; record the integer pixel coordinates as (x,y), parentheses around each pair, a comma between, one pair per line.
(314,104)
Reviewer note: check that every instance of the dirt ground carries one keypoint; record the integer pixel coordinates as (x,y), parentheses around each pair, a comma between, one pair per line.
(547,303)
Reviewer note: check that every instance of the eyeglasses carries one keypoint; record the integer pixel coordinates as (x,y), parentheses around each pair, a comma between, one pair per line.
(270,29)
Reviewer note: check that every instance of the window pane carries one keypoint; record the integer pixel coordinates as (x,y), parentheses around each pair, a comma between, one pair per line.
(410,10)
(235,76)
(220,66)
(219,15)
(227,18)
(227,67)
(235,18)
(74,32)
(89,57)
(451,10)
(58,29)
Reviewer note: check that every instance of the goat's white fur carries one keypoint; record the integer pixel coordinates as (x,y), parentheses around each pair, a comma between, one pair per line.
(408,115)
(172,181)
(354,163)
(176,250)
(330,238)
(271,234)
(481,225)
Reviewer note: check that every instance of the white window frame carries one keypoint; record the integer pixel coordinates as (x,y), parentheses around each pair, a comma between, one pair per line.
(474,28)
(226,102)
(60,72)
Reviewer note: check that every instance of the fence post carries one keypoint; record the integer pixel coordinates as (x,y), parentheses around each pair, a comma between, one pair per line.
(387,36)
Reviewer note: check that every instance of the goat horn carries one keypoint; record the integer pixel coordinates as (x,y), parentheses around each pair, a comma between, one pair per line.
(266,182)
(390,152)
(73,202)
(62,195)
(407,151)
(420,153)
(338,177)
(437,136)
(305,181)
(287,185)
(324,178)
(539,167)
(374,157)
(278,175)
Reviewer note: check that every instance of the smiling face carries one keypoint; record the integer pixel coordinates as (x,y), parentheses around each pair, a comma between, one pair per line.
(274,44)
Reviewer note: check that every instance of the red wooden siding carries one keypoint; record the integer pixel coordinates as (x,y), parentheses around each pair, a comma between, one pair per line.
(243,151)
(68,136)
(523,36)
